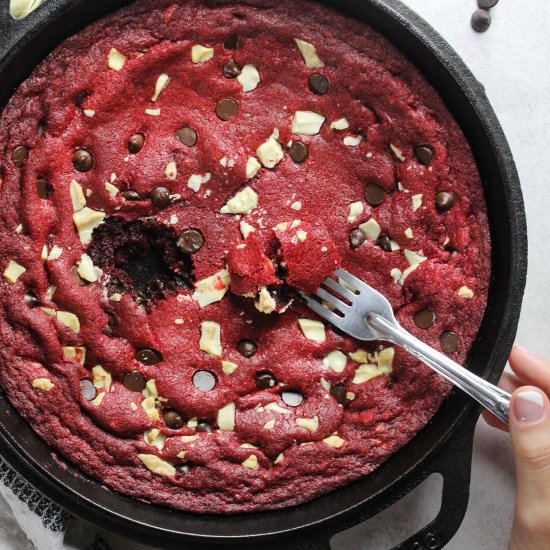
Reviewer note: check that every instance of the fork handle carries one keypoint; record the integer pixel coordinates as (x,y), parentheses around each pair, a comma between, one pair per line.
(490,396)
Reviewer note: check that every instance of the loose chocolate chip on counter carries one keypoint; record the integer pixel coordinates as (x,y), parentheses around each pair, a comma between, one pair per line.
(87,389)
(487,4)
(82,160)
(187,136)
(131,195)
(136,143)
(173,420)
(247,348)
(204,380)
(184,468)
(339,393)
(424,318)
(43,188)
(298,152)
(424,154)
(204,427)
(384,243)
(375,194)
(19,155)
(444,201)
(449,342)
(31,299)
(356,238)
(481,20)
(148,356)
(318,84)
(231,42)
(160,196)
(80,98)
(190,241)
(134,381)
(231,69)
(292,398)
(264,380)
(226,109)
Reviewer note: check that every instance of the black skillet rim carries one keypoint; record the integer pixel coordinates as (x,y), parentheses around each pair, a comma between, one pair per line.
(397,23)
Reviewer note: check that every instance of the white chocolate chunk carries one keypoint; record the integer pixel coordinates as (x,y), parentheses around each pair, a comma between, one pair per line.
(352,141)
(101,378)
(152,112)
(133,406)
(277,408)
(409,233)
(116,297)
(394,246)
(157,465)
(270,153)
(340,124)
(312,330)
(86,220)
(77,196)
(397,152)
(269,425)
(243,202)
(396,274)
(171,171)
(407,272)
(251,462)
(98,399)
(19,9)
(246,229)
(302,235)
(309,424)
(325,384)
(465,292)
(355,210)
(414,258)
(359,356)
(90,113)
(307,123)
(111,189)
(384,359)
(44,384)
(252,167)
(364,373)
(228,367)
(87,270)
(13,272)
(19,229)
(55,253)
(212,289)
(371,229)
(249,78)
(44,253)
(201,54)
(69,320)
(162,82)
(154,438)
(334,441)
(226,418)
(279,458)
(265,303)
(115,60)
(196,180)
(350,396)
(335,360)
(71,353)
(189,438)
(149,406)
(309,53)
(416,202)
(151,388)
(210,341)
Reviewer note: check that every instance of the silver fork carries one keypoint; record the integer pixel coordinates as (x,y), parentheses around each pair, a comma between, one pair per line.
(369,316)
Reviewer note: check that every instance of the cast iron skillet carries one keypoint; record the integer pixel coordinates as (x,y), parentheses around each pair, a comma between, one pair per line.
(444,446)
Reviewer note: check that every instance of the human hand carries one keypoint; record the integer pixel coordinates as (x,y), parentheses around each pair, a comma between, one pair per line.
(530,434)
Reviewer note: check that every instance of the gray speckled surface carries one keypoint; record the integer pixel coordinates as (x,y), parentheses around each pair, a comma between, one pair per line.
(512,61)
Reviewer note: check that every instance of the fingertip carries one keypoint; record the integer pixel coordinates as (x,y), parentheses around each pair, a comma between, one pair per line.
(529,406)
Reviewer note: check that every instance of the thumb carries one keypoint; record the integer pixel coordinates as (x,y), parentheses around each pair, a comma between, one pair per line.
(530,434)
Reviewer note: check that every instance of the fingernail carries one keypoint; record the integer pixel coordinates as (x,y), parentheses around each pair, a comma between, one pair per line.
(528,407)
(521,348)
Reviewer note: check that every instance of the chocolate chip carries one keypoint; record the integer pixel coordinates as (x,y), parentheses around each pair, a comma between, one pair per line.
(226,109)
(43,188)
(318,84)
(481,20)
(444,201)
(204,380)
(247,348)
(148,356)
(134,381)
(375,194)
(87,389)
(424,154)
(487,4)
(82,160)
(184,468)
(19,155)
(449,342)
(339,393)
(131,195)
(187,136)
(298,152)
(231,42)
(204,427)
(136,143)
(31,299)
(160,196)
(356,238)
(231,69)
(173,420)
(292,398)
(384,243)
(424,318)
(264,380)
(190,241)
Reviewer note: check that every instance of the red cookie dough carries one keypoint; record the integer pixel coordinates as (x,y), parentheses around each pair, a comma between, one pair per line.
(126,179)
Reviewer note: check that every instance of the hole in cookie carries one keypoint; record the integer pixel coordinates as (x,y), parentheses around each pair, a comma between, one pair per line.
(140,259)
(204,380)
(240,16)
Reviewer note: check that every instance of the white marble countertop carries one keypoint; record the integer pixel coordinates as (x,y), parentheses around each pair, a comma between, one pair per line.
(511,59)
